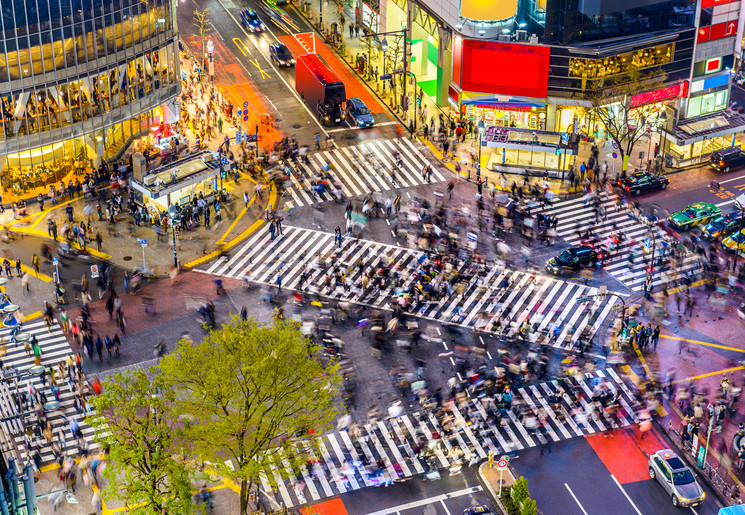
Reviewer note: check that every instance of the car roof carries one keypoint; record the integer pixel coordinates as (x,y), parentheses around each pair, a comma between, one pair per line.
(356,101)
(729,150)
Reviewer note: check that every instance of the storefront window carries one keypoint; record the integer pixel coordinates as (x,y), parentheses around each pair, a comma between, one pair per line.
(705,104)
(622,63)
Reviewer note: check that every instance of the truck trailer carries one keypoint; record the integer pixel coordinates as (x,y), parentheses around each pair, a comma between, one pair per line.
(320,87)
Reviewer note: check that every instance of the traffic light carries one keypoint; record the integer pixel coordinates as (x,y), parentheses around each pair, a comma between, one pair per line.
(557,151)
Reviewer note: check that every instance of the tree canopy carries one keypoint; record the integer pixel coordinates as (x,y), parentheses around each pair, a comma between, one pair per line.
(254,395)
(135,420)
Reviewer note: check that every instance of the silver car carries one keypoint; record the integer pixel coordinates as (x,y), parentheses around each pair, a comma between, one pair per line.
(676,478)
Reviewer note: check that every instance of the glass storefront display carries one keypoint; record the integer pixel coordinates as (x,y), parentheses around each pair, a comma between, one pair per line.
(622,63)
(705,104)
(524,118)
(93,69)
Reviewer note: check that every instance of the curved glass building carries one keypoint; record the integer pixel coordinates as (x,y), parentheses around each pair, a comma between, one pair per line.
(79,80)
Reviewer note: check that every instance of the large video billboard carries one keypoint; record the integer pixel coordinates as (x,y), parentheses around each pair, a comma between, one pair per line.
(488,10)
(505,68)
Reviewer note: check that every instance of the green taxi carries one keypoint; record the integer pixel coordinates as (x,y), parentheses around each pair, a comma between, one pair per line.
(695,214)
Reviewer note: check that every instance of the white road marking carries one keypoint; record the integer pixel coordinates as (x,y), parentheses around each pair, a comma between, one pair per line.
(575,499)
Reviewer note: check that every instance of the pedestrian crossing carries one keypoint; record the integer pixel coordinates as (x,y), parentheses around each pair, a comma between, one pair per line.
(540,414)
(491,298)
(577,214)
(360,170)
(18,378)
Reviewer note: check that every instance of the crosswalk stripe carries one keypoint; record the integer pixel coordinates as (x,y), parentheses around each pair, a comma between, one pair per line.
(528,299)
(575,213)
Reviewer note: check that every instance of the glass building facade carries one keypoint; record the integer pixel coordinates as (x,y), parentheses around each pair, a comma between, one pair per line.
(79,79)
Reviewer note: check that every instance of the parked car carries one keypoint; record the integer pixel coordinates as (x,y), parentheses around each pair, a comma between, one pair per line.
(251,20)
(643,181)
(572,259)
(281,55)
(358,114)
(676,478)
(726,159)
(695,214)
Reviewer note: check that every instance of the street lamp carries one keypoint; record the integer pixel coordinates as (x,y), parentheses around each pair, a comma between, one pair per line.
(174,216)
(740,205)
(481,135)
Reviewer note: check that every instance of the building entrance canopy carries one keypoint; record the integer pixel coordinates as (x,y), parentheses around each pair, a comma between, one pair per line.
(710,126)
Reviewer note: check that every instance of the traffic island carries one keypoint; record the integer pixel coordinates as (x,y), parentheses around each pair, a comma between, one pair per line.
(494,477)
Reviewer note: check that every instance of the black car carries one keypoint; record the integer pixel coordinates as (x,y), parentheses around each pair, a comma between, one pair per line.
(572,259)
(643,181)
(722,226)
(281,55)
(727,159)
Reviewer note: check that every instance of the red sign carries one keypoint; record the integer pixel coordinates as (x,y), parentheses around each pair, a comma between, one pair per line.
(718,31)
(712,3)
(659,95)
(492,67)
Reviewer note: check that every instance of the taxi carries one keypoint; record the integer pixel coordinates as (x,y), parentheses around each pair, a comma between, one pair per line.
(736,242)
(695,214)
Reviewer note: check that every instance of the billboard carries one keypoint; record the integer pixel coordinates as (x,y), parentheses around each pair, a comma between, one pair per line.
(505,68)
(488,10)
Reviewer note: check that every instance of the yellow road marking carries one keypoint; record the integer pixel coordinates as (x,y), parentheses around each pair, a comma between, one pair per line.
(35,314)
(245,234)
(242,47)
(43,234)
(701,376)
(707,344)
(47,211)
(240,215)
(255,62)
(638,382)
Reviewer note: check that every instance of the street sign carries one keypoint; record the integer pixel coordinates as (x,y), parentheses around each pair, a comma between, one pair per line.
(584,299)
(245,104)
(210,46)
(502,464)
(94,271)
(565,136)
(55,260)
(239,112)
(615,145)
(238,137)
(616,307)
(212,66)
(615,155)
(245,118)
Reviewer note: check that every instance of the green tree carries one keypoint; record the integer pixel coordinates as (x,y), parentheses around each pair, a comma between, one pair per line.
(520,491)
(610,98)
(256,395)
(529,507)
(135,420)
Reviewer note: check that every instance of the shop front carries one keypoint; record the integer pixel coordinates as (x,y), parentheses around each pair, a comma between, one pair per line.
(178,183)
(694,140)
(512,150)
(505,112)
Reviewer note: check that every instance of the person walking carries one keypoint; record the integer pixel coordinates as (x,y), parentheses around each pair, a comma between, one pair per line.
(337,236)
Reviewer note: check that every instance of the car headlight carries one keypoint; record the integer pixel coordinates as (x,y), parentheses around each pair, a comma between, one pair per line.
(292,61)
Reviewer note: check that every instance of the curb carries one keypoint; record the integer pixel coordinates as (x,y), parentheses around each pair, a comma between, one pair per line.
(487,485)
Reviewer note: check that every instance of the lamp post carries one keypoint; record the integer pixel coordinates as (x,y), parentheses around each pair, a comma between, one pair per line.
(740,205)
(384,47)
(174,216)
(481,135)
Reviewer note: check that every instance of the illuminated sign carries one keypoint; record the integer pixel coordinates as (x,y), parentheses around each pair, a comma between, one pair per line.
(491,67)
(650,97)
(713,65)
(718,31)
(488,10)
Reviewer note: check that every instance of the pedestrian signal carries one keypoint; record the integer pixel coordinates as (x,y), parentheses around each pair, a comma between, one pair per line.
(557,151)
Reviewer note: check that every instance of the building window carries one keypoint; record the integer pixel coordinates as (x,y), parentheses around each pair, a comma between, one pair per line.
(622,63)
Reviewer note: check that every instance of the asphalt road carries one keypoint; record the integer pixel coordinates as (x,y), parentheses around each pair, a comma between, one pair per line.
(446,496)
(612,471)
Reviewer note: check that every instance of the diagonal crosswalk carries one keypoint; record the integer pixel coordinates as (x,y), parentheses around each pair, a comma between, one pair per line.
(361,170)
(493,298)
(345,461)
(574,214)
(17,363)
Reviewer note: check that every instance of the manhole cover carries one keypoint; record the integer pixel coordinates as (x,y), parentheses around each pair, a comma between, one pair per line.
(127,258)
(296,126)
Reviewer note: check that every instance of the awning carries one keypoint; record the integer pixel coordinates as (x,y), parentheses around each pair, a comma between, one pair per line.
(495,102)
(722,123)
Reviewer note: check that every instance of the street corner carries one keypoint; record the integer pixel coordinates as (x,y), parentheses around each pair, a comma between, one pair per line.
(494,476)
(331,507)
(625,453)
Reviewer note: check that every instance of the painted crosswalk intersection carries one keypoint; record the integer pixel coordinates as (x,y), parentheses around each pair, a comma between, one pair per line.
(491,297)
(345,460)
(579,215)
(360,170)
(19,379)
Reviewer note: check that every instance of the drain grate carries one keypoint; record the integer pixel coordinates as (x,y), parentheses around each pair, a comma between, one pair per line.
(127,258)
